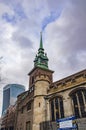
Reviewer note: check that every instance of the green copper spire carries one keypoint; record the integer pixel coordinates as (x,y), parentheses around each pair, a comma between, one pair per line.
(41,44)
(41,59)
(41,50)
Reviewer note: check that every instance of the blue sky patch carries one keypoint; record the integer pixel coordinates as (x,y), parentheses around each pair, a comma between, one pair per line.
(9,18)
(54,15)
(19,12)
(18,15)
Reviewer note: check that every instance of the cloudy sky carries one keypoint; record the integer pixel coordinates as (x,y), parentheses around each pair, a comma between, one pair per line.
(63,25)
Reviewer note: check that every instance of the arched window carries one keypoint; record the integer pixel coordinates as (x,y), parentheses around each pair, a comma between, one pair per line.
(57,110)
(79,102)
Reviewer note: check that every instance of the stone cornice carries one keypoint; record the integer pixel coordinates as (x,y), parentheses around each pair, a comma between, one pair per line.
(69,82)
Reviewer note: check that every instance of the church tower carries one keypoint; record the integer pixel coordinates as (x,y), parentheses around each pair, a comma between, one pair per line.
(40,80)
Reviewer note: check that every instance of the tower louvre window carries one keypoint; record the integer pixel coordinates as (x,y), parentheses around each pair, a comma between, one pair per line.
(28,106)
(28,125)
(22,110)
(32,79)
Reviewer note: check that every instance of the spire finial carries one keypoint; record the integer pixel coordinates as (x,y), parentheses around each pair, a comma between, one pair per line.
(41,43)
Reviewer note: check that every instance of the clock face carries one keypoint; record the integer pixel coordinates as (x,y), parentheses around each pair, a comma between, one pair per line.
(43,62)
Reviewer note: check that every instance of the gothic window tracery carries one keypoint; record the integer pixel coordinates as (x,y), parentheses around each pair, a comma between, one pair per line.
(57,110)
(79,102)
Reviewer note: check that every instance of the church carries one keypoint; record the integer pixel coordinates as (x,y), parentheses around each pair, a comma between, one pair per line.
(46,101)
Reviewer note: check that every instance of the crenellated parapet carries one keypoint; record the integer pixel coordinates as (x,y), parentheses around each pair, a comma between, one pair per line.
(68,82)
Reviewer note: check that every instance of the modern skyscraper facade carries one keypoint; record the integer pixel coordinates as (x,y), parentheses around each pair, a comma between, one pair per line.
(10,93)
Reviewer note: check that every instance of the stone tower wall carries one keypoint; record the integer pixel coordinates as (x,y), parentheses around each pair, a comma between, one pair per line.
(40,106)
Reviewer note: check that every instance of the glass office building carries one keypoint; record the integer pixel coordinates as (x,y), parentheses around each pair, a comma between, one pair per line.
(10,93)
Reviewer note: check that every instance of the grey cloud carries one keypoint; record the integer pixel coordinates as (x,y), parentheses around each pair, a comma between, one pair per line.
(25,42)
(17,9)
(22,41)
(68,35)
(53,5)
